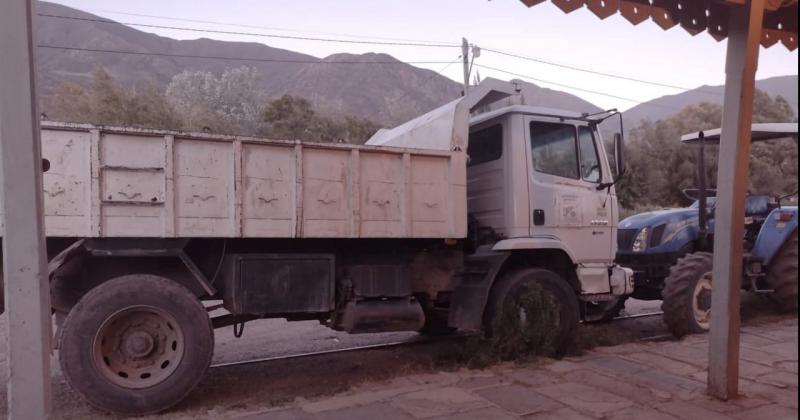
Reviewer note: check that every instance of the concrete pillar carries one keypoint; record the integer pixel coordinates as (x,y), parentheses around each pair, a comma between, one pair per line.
(27,291)
(744,34)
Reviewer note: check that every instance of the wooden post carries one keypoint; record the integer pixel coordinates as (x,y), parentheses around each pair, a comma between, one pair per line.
(27,296)
(744,34)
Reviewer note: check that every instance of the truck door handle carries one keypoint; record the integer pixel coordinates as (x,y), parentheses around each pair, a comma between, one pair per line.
(538,217)
(597,232)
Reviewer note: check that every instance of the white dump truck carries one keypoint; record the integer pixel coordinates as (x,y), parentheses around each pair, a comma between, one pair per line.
(440,224)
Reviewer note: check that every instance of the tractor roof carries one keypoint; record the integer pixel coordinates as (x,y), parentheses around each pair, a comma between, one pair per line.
(759,132)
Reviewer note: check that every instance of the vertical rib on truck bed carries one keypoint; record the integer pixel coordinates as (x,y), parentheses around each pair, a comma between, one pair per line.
(123,182)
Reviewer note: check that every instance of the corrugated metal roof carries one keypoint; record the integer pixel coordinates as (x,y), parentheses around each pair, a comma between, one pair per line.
(695,16)
(758,132)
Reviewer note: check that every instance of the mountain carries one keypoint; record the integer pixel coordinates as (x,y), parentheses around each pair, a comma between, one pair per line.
(57,65)
(375,86)
(665,106)
(386,93)
(383,88)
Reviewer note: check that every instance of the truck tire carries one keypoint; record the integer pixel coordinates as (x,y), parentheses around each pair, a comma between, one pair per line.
(531,310)
(687,295)
(136,344)
(782,275)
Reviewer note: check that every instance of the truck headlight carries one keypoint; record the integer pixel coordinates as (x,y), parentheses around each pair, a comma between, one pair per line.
(640,243)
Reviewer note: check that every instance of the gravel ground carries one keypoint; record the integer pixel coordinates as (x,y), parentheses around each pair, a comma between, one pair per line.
(228,391)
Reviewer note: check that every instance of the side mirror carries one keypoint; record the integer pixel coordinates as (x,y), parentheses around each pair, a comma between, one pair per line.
(619,154)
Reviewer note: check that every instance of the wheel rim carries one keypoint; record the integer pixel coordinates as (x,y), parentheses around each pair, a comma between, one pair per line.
(138,347)
(701,301)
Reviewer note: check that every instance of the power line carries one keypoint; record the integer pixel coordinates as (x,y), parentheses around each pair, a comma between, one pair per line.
(426,81)
(214,31)
(214,57)
(596,72)
(271,28)
(390,43)
(574,88)
(303,38)
(447,65)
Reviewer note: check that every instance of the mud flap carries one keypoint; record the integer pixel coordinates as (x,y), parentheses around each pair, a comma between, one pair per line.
(473,285)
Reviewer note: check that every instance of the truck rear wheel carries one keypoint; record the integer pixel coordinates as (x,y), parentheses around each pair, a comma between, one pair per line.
(531,311)
(687,295)
(136,345)
(782,275)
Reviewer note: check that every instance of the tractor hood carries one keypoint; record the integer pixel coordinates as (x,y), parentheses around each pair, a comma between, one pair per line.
(655,218)
(668,230)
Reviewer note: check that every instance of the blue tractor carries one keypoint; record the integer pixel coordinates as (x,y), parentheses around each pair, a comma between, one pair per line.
(671,250)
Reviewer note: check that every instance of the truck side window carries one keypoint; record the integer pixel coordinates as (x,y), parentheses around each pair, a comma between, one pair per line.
(554,149)
(590,161)
(485,145)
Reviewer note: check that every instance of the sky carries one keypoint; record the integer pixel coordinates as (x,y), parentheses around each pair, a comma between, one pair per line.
(544,32)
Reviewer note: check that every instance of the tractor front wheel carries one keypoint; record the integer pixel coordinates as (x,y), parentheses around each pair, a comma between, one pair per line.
(687,295)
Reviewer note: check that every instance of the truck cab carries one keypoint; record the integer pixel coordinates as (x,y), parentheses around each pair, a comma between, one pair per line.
(539,179)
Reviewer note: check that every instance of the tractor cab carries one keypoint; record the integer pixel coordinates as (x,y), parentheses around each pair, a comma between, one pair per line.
(651,243)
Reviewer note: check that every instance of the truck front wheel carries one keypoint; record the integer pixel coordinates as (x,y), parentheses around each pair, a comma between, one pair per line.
(136,345)
(687,295)
(531,311)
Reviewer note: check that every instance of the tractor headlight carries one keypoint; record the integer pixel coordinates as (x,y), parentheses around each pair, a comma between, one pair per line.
(640,243)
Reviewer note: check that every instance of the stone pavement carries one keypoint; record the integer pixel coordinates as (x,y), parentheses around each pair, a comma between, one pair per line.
(645,380)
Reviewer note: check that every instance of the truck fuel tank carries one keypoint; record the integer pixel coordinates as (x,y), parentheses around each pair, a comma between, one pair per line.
(383,315)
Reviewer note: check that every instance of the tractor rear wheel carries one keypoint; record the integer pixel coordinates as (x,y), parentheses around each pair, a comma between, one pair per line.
(136,345)
(782,275)
(687,295)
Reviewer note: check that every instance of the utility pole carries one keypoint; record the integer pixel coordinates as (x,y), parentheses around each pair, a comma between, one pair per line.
(27,286)
(465,61)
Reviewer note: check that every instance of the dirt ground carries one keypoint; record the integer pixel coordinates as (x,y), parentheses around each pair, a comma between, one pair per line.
(235,390)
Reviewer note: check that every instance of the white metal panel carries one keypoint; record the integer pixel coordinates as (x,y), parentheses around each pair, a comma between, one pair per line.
(132,184)
(381,195)
(125,182)
(128,151)
(429,199)
(66,185)
(325,197)
(204,188)
(446,127)
(269,198)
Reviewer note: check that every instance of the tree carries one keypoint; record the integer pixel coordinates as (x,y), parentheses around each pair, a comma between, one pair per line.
(195,100)
(231,103)
(294,118)
(106,102)
(660,166)
(289,117)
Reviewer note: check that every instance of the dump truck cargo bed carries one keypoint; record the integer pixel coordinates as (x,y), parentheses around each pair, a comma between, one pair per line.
(124,182)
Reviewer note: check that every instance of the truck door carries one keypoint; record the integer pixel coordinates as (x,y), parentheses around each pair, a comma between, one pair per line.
(565,170)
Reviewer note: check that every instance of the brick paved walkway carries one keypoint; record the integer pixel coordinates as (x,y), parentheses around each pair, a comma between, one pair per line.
(654,380)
